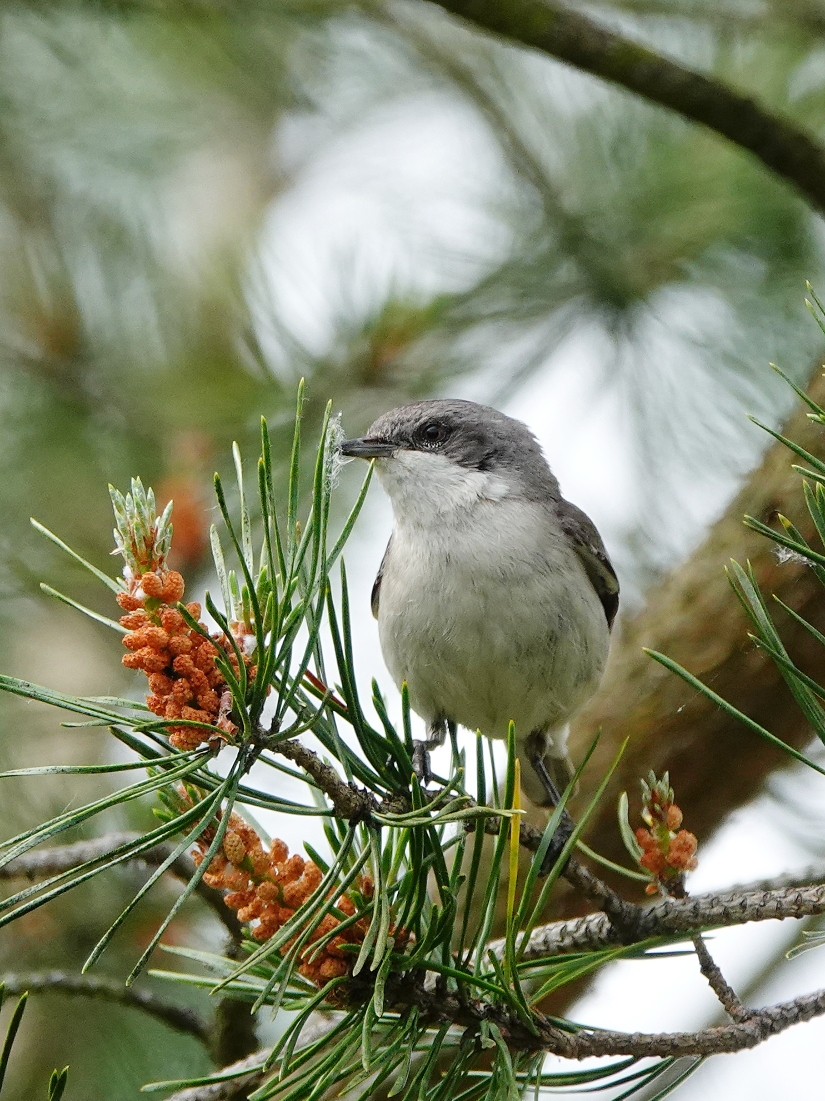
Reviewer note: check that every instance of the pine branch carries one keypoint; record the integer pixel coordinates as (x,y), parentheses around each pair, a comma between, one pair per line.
(177,1017)
(765,900)
(585,1043)
(668,917)
(354,804)
(573,38)
(672,917)
(582,1044)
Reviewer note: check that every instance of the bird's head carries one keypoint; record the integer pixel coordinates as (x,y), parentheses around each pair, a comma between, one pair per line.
(441,455)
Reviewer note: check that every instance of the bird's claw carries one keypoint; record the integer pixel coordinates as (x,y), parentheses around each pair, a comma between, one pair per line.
(557,842)
(421,763)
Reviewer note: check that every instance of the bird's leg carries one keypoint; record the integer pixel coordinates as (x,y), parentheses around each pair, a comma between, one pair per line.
(421,750)
(536,752)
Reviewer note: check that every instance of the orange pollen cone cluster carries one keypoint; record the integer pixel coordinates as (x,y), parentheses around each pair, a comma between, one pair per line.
(266,887)
(667,850)
(184,681)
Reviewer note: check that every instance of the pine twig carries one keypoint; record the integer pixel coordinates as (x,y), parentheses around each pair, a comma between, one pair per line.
(570,1045)
(348,801)
(728,998)
(625,917)
(726,1039)
(759,1025)
(620,922)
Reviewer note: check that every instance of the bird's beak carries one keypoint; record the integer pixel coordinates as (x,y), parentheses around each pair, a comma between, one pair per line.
(367,448)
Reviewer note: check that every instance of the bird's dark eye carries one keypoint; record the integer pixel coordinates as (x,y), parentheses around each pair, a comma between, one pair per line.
(434,433)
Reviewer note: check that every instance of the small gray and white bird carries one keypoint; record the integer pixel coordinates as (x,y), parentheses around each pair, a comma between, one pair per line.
(496,597)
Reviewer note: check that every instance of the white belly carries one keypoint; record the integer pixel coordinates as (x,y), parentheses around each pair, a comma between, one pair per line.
(500,626)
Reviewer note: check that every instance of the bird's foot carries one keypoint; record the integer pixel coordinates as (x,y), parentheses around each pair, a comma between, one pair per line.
(566,824)
(557,842)
(421,750)
(421,762)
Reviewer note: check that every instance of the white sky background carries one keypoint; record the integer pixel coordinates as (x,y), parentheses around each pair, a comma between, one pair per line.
(395,200)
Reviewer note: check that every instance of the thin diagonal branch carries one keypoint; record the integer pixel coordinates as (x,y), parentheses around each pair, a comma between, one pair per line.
(348,801)
(573,38)
(728,998)
(177,1017)
(730,1001)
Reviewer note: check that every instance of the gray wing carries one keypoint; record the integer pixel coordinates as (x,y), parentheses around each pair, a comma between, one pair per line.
(588,545)
(376,587)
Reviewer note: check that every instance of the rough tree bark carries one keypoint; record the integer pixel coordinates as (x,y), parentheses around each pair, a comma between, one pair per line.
(716,765)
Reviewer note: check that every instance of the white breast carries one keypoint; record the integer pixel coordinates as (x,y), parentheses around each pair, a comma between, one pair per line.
(485,609)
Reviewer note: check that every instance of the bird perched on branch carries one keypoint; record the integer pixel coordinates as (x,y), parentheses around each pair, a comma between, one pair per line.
(496,596)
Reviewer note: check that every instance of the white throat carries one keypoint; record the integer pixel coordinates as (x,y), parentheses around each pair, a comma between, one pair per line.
(425,487)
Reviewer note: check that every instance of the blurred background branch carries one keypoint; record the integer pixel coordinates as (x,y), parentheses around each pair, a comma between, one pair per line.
(571,37)
(111,990)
